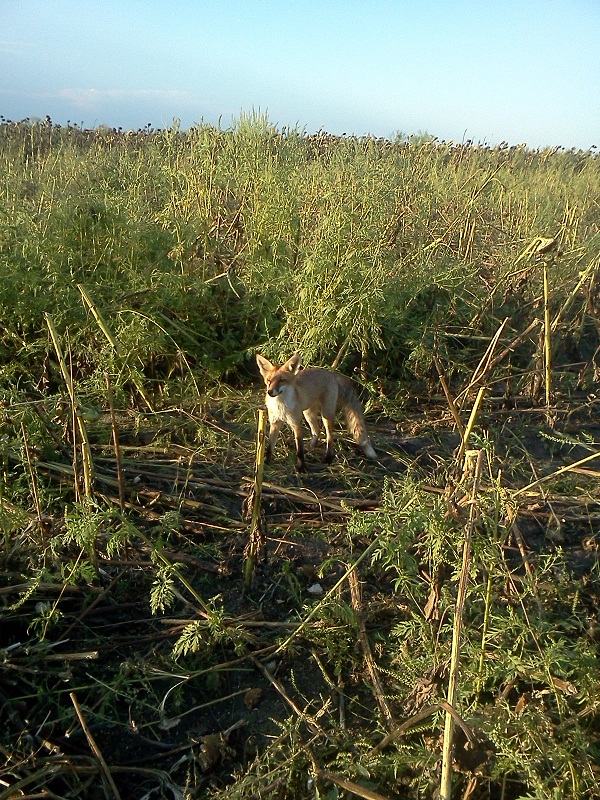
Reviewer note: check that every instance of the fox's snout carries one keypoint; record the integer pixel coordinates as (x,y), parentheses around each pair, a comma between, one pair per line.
(276,388)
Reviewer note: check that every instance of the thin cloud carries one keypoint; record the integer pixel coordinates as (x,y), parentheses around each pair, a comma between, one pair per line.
(87,99)
(90,99)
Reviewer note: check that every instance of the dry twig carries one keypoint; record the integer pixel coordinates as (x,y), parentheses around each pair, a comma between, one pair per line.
(94,747)
(366,648)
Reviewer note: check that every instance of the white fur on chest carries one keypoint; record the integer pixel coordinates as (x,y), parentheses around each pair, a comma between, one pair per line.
(283,406)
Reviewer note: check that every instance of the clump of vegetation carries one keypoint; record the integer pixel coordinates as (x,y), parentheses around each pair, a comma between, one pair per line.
(139,273)
(210,242)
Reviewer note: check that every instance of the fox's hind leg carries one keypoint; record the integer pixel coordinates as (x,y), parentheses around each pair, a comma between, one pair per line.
(329,452)
(314,422)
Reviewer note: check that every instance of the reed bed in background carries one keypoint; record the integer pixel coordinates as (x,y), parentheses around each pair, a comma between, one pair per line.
(148,647)
(199,246)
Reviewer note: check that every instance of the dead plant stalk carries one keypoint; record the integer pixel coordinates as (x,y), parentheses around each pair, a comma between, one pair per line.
(115,434)
(256,540)
(86,450)
(470,425)
(446,779)
(547,343)
(94,747)
(366,648)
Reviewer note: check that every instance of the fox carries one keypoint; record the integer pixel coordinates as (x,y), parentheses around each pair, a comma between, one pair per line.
(293,392)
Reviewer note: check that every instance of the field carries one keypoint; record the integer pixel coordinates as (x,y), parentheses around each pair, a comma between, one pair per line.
(425,623)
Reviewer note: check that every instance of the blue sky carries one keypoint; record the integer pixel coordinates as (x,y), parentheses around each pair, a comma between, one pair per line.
(523,71)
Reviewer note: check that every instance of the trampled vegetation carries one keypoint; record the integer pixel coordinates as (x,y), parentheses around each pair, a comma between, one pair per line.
(140,273)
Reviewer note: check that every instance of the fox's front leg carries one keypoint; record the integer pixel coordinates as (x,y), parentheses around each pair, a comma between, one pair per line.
(274,428)
(296,426)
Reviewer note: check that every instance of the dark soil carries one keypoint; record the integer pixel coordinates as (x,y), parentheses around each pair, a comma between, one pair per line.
(156,730)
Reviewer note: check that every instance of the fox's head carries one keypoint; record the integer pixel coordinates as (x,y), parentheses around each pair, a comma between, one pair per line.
(278,378)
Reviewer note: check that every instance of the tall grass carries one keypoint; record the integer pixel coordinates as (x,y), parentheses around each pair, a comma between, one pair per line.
(213,242)
(138,269)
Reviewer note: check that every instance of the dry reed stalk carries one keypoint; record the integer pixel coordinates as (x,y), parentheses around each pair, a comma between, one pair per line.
(509,348)
(482,369)
(449,399)
(536,247)
(366,647)
(479,375)
(313,499)
(349,786)
(561,471)
(340,353)
(94,747)
(75,438)
(257,537)
(470,425)
(112,340)
(204,610)
(419,717)
(34,487)
(547,344)
(310,720)
(588,274)
(152,495)
(100,320)
(115,435)
(86,450)
(540,246)
(446,778)
(316,608)
(484,632)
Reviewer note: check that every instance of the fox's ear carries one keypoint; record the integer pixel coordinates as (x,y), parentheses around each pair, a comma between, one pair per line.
(293,364)
(264,364)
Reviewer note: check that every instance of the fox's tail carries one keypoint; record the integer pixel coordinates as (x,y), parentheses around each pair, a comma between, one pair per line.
(354,416)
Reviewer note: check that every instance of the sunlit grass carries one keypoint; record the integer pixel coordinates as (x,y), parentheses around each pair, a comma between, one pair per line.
(156,263)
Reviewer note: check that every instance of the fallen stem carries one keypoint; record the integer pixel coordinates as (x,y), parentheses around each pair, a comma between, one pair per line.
(94,747)
(446,779)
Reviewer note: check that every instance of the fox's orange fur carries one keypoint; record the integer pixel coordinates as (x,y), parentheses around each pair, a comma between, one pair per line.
(293,392)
